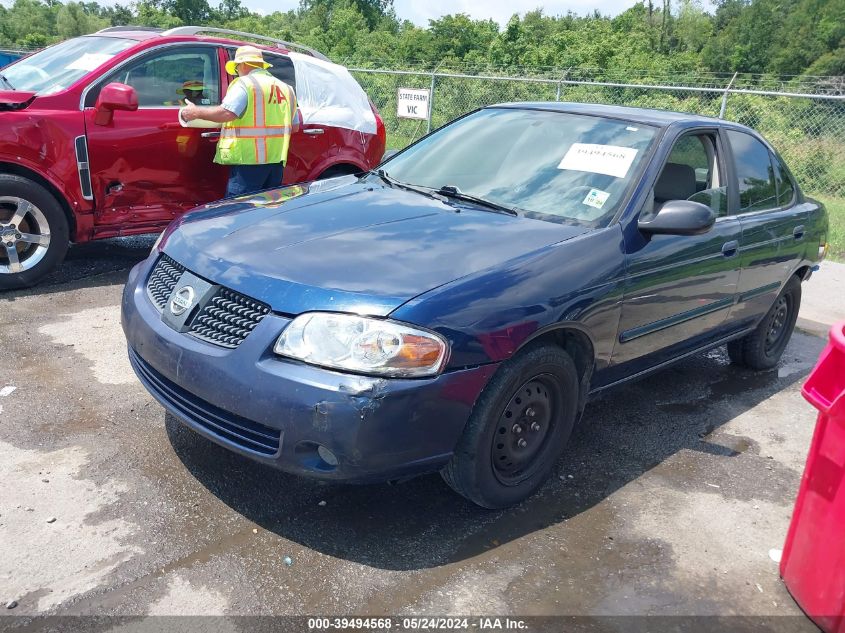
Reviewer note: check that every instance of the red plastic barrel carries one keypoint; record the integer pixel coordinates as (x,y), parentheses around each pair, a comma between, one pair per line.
(813,562)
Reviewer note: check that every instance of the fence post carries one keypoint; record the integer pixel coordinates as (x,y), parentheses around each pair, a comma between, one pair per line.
(560,82)
(431,100)
(725,97)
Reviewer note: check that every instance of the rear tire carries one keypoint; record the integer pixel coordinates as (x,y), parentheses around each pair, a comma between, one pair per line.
(33,232)
(518,428)
(763,348)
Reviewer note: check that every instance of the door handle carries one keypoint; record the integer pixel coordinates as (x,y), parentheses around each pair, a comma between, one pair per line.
(210,135)
(729,249)
(798,232)
(314,131)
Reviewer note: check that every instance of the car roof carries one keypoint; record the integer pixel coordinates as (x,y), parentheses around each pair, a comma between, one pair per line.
(227,37)
(156,34)
(646,116)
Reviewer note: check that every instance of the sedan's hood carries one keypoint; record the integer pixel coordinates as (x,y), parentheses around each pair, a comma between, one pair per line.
(357,247)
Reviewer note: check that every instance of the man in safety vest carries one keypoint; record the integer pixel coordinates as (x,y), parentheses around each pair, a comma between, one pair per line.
(258,115)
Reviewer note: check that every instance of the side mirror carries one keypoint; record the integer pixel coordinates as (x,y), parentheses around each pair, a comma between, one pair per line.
(680,217)
(114,96)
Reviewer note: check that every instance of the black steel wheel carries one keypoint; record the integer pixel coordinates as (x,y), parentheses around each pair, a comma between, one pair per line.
(518,428)
(763,348)
(524,427)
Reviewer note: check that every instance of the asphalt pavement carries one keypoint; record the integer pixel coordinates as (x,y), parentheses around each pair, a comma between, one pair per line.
(669,500)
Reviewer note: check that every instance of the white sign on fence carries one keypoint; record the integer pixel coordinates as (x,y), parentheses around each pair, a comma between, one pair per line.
(412,104)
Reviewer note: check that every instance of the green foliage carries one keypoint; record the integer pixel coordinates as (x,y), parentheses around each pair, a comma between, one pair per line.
(751,36)
(72,19)
(676,38)
(836,214)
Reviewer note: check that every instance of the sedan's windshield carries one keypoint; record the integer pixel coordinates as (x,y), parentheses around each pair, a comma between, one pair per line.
(56,68)
(553,166)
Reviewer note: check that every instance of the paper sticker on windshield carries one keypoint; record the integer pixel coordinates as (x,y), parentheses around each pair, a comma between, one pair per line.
(610,160)
(89,61)
(596,198)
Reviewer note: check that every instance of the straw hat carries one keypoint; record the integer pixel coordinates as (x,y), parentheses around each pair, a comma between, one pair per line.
(192,84)
(246,55)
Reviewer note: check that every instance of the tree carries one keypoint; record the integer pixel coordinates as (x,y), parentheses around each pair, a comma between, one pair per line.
(30,23)
(454,36)
(229,10)
(372,10)
(693,27)
(149,14)
(73,20)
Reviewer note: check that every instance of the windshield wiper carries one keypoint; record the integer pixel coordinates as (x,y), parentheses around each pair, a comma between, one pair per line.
(390,180)
(453,192)
(7,82)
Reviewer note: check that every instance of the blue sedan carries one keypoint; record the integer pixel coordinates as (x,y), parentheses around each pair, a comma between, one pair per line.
(456,309)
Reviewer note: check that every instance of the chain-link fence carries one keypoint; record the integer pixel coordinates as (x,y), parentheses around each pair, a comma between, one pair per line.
(807,128)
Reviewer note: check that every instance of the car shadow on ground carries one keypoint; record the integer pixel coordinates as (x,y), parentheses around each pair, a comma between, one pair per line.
(423,524)
(98,263)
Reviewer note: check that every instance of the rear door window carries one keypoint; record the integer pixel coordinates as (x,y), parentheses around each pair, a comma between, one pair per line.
(754,172)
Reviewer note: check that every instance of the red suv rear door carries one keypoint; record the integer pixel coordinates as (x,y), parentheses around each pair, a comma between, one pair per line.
(145,167)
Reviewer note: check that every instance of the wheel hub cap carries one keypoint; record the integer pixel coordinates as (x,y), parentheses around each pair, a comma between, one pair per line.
(9,233)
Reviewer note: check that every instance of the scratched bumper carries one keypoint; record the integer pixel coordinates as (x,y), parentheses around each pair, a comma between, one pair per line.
(378,429)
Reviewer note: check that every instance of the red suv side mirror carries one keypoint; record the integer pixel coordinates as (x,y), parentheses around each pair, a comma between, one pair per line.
(114,96)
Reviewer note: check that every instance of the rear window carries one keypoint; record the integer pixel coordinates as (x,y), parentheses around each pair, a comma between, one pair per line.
(58,67)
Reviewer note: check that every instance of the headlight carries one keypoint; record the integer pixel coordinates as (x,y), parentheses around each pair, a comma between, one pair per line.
(364,345)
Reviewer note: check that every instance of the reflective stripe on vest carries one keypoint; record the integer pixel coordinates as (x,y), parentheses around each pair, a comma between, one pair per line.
(250,132)
(262,134)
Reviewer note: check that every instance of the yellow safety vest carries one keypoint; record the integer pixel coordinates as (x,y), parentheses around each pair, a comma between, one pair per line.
(262,134)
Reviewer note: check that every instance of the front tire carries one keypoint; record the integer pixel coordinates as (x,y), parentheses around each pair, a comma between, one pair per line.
(517,430)
(33,232)
(763,348)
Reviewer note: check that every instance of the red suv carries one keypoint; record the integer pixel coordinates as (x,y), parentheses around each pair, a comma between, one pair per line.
(91,145)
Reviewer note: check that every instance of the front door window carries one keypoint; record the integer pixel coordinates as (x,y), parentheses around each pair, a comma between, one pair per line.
(167,79)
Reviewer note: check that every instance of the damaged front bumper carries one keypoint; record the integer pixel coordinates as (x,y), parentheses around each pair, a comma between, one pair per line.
(299,418)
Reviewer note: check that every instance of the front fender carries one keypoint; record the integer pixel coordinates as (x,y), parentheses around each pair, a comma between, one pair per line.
(35,144)
(490,316)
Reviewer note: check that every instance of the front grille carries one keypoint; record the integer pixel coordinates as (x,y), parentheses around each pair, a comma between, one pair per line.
(228,318)
(246,434)
(163,280)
